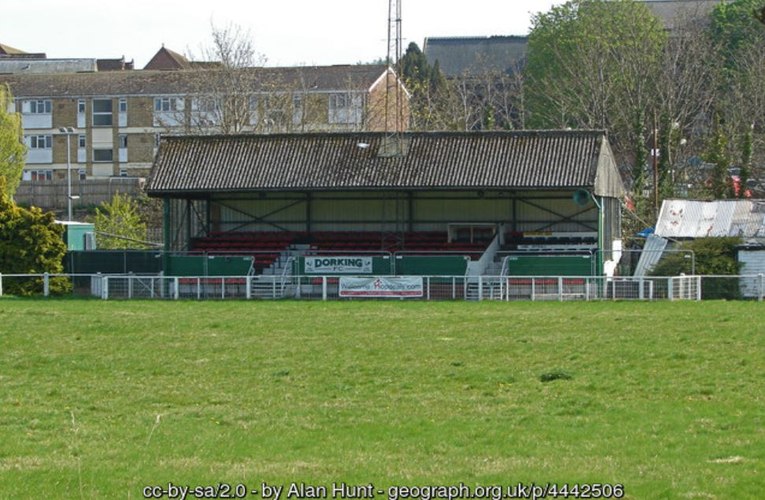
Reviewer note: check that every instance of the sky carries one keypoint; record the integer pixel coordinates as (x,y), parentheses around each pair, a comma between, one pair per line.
(284,32)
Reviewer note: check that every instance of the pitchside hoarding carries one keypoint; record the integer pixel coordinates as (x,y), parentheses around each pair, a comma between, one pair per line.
(381,286)
(338,265)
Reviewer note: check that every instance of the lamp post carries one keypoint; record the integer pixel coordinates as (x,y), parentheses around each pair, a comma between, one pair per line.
(68,132)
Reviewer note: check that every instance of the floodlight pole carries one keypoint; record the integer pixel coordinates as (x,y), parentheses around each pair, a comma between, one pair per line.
(68,132)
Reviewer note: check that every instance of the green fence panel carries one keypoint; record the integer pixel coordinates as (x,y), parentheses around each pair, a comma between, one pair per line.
(550,265)
(113,262)
(208,265)
(431,265)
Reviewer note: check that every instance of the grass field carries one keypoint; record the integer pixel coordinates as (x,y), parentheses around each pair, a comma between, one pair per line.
(100,399)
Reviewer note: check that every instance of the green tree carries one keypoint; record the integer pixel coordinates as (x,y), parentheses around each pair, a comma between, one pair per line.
(12,149)
(118,224)
(736,28)
(594,64)
(717,155)
(30,243)
(427,86)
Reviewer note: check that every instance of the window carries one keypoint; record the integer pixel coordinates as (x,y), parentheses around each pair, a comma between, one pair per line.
(103,155)
(81,106)
(38,107)
(123,172)
(345,108)
(297,109)
(123,105)
(168,104)
(123,141)
(338,101)
(102,112)
(41,175)
(40,141)
(81,141)
(82,173)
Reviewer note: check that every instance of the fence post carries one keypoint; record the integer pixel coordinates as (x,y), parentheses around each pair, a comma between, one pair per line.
(248,287)
(323,288)
(759,291)
(560,288)
(1,284)
(480,288)
(130,285)
(698,288)
(427,281)
(533,289)
(670,286)
(105,288)
(454,287)
(641,293)
(176,288)
(46,284)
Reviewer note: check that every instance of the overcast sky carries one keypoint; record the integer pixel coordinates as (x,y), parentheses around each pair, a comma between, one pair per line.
(286,32)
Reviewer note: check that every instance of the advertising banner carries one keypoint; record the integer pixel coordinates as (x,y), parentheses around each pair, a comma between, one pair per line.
(338,265)
(381,286)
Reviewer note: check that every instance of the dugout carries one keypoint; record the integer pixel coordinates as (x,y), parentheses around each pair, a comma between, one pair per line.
(521,194)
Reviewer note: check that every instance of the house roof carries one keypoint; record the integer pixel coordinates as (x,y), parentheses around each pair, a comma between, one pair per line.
(26,65)
(126,83)
(476,55)
(540,160)
(8,50)
(675,12)
(700,219)
(114,64)
(167,60)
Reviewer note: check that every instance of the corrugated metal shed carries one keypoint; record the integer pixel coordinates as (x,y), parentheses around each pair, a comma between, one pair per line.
(700,219)
(356,161)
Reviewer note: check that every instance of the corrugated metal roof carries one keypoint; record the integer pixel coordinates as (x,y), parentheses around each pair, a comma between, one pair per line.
(144,82)
(699,219)
(442,160)
(652,251)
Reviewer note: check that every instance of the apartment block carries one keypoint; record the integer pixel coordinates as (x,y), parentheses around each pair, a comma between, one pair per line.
(109,122)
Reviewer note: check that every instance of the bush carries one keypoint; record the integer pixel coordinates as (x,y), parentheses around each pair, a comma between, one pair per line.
(30,243)
(713,256)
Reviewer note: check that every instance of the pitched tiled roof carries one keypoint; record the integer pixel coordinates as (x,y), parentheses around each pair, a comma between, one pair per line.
(353,161)
(126,83)
(167,60)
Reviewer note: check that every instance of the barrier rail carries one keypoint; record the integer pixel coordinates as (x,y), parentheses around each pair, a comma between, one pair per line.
(328,287)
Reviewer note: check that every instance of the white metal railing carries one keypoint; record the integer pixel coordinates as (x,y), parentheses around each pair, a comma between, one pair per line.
(287,285)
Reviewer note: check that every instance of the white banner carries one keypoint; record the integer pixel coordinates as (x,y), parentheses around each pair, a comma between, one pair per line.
(381,286)
(338,265)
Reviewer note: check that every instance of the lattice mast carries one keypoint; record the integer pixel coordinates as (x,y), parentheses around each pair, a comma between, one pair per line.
(393,144)
(393,95)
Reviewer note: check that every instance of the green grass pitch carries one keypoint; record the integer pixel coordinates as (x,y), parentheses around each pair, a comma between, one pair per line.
(99,399)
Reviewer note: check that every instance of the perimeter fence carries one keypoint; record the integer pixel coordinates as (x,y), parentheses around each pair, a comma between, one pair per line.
(476,288)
